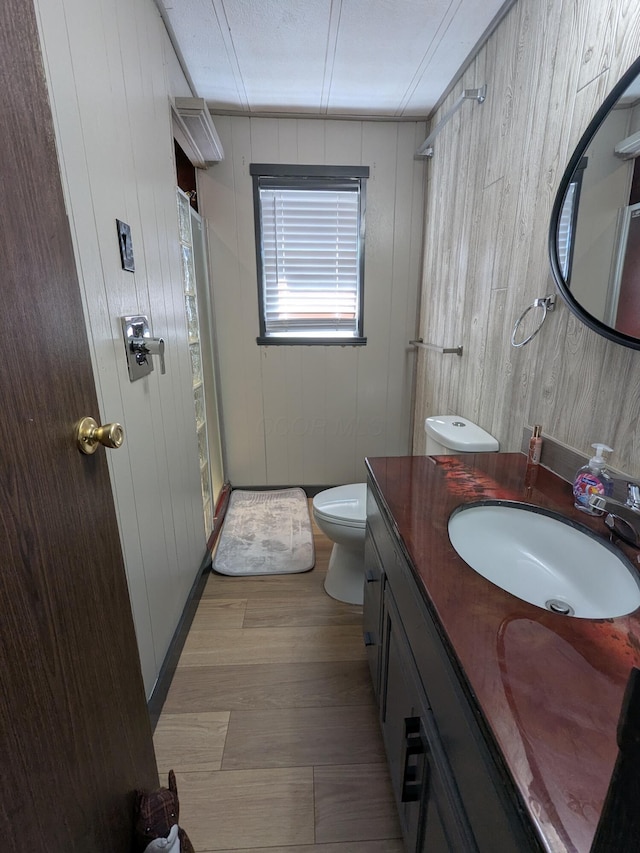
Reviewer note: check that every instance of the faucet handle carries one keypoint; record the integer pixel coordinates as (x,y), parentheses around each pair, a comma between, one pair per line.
(633,496)
(155,346)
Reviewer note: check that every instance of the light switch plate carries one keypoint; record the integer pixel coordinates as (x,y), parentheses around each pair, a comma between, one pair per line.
(126,246)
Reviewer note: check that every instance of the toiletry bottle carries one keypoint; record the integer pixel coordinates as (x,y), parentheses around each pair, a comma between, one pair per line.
(535,446)
(592,479)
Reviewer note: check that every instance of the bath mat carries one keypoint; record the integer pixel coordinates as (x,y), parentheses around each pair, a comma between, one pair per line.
(265,533)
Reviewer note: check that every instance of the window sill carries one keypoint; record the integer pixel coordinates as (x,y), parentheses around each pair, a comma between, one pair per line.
(311,342)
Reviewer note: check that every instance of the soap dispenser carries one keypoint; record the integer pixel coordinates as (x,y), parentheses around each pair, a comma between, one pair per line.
(592,479)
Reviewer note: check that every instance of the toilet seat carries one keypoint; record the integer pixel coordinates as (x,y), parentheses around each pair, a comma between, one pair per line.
(343,505)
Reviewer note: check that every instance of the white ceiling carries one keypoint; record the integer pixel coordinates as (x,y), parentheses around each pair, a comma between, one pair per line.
(387,58)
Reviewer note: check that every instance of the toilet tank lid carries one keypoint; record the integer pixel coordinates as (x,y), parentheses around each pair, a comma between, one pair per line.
(458,433)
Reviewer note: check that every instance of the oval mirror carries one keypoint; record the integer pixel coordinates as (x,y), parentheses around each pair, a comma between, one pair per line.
(594,238)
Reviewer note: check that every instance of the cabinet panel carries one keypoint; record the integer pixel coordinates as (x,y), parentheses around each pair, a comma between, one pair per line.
(483,787)
(416,662)
(431,812)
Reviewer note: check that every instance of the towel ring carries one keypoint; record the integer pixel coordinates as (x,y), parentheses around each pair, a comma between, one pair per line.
(547,303)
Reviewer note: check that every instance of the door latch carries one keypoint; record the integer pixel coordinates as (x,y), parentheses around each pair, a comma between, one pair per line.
(140,346)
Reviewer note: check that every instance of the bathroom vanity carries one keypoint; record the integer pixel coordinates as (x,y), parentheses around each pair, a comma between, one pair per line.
(499,717)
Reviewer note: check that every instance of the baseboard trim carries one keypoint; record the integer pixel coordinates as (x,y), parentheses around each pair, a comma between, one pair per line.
(170,662)
(219,513)
(310,491)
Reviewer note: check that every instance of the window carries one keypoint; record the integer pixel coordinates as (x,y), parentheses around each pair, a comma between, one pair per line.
(309,223)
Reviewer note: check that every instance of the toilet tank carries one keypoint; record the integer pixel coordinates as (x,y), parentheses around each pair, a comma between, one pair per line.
(454,434)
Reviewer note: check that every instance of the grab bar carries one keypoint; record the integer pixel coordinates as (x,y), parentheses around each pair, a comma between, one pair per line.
(420,343)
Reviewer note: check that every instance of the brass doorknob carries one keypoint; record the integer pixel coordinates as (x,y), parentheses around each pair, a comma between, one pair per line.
(89,435)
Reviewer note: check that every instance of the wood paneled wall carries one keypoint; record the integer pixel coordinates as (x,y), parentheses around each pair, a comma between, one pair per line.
(309,415)
(490,189)
(107,68)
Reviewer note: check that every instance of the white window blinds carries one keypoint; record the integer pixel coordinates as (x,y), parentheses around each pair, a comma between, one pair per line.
(309,241)
(565,230)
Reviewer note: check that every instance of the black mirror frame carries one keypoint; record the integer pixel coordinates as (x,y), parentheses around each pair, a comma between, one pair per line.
(588,319)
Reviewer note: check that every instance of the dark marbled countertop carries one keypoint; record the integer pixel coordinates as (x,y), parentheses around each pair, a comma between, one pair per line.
(549,687)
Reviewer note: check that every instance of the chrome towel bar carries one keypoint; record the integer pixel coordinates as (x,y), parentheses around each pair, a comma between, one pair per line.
(479,95)
(421,343)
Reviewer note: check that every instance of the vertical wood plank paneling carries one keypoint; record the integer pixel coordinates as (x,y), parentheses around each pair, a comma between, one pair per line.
(110,96)
(375,418)
(130,50)
(547,67)
(403,315)
(93,199)
(277,428)
(288,141)
(103,347)
(627,35)
(264,140)
(595,55)
(322,409)
(316,385)
(237,314)
(224,290)
(311,141)
(183,463)
(343,143)
(415,262)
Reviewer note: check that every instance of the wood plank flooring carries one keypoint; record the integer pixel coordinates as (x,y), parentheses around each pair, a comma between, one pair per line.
(270,722)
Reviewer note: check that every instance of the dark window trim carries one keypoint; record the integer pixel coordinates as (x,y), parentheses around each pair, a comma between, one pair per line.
(309,342)
(303,176)
(280,170)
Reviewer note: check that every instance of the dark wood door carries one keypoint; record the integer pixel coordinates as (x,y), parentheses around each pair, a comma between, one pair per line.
(75,737)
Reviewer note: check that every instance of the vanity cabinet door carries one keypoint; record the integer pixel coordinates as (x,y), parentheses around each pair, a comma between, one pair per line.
(431,812)
(372,610)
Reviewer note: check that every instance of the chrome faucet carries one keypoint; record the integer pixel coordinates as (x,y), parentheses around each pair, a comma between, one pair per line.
(622,518)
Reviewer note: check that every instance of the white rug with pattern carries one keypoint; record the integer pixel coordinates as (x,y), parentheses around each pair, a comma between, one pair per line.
(265,533)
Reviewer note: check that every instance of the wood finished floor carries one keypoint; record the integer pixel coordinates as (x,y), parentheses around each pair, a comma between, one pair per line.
(270,723)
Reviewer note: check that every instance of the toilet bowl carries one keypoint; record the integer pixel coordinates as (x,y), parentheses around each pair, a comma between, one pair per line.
(448,434)
(341,514)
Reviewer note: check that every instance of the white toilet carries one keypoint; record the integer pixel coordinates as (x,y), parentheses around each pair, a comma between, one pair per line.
(341,512)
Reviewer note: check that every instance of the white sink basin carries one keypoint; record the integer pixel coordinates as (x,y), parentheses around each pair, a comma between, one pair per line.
(545,560)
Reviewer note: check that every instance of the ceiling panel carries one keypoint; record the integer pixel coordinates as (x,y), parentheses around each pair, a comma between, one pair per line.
(380,46)
(455,43)
(328,57)
(280,47)
(196,32)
